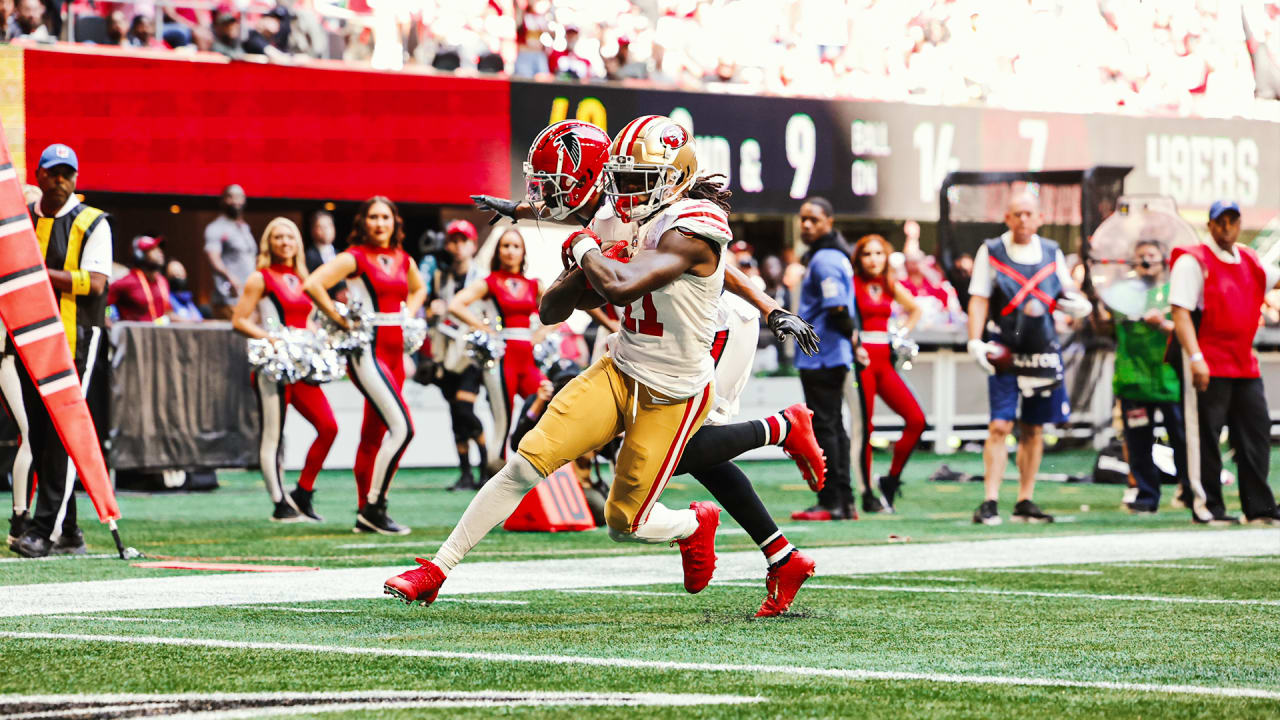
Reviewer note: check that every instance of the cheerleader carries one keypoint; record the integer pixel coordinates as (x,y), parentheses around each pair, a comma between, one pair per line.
(875,290)
(516,298)
(275,290)
(381,276)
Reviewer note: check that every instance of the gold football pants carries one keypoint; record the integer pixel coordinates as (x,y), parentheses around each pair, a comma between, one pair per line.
(597,405)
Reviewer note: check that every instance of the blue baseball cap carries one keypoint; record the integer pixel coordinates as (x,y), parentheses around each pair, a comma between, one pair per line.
(59,154)
(1222,206)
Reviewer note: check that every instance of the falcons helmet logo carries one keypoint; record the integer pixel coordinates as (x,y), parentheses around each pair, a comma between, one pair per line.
(569,145)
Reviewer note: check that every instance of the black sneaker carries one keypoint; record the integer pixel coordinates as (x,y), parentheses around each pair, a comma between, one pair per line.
(1219,520)
(890,489)
(871,503)
(17,526)
(286,513)
(1141,508)
(69,543)
(987,514)
(33,545)
(373,517)
(1028,512)
(466,481)
(1271,519)
(302,501)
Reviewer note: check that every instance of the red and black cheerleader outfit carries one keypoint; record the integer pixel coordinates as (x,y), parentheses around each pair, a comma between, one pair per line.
(516,298)
(285,304)
(381,283)
(875,305)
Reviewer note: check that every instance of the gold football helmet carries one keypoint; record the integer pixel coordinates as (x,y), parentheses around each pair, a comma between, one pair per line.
(651,162)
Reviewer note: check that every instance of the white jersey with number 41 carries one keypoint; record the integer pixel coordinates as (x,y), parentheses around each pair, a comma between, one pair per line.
(665,341)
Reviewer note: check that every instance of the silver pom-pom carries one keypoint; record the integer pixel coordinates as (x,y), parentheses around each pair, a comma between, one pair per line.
(547,352)
(346,341)
(904,348)
(291,355)
(415,333)
(487,349)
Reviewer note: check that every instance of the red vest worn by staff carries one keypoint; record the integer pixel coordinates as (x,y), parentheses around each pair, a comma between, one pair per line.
(1233,295)
(283,298)
(516,297)
(381,281)
(30,313)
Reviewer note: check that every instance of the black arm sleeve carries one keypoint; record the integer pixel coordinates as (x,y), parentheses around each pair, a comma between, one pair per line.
(524,423)
(841,320)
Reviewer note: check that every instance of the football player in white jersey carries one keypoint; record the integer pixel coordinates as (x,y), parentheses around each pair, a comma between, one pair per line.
(675,366)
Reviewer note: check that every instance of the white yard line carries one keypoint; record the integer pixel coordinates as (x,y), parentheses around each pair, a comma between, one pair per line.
(216,589)
(282,608)
(1041,571)
(1177,599)
(661,665)
(483,601)
(114,618)
(650,593)
(1170,566)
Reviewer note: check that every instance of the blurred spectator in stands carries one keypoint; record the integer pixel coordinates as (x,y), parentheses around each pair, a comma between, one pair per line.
(744,258)
(960,274)
(262,38)
(622,67)
(142,33)
(531,58)
(321,250)
(306,35)
(226,36)
(117,29)
(232,251)
(917,282)
(181,25)
(143,294)
(6,17)
(284,26)
(181,301)
(567,64)
(28,21)
(201,40)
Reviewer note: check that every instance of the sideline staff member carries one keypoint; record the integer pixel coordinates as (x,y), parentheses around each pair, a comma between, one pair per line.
(1018,280)
(1216,290)
(77,252)
(826,303)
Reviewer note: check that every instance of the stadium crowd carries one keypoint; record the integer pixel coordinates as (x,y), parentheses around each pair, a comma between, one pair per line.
(1207,58)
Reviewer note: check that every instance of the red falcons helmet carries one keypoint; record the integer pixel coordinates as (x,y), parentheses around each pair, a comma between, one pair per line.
(565,168)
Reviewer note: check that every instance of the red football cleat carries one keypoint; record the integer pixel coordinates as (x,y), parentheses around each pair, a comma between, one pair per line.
(802,446)
(784,582)
(698,551)
(419,585)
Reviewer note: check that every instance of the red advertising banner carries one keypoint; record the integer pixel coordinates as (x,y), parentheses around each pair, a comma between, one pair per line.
(142,124)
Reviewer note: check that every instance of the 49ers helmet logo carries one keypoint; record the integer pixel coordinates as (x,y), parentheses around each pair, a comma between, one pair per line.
(674,136)
(569,145)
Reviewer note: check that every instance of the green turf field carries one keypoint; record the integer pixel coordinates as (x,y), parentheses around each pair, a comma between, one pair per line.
(1187,637)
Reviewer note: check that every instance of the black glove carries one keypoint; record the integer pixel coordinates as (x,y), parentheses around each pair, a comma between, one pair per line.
(501,207)
(784,324)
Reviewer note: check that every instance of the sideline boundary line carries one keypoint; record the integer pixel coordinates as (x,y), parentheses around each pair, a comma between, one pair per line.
(662,665)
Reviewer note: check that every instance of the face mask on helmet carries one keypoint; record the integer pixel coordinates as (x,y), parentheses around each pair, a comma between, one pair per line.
(638,191)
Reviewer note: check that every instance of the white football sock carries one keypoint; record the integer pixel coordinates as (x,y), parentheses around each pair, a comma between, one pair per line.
(494,503)
(663,526)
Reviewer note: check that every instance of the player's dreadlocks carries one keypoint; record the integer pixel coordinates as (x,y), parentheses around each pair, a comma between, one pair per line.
(711,188)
